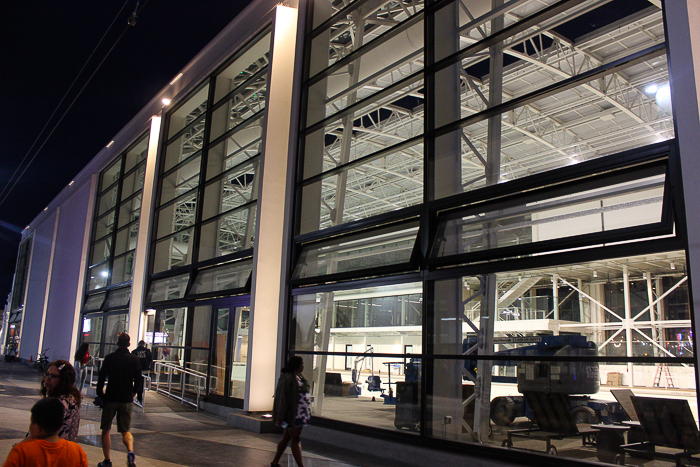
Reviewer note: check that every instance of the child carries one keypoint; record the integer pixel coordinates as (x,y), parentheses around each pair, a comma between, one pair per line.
(45,448)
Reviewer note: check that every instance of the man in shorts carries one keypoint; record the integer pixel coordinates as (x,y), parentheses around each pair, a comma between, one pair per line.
(123,372)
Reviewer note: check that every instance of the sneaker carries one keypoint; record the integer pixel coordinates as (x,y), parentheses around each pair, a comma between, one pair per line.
(105,463)
(131,459)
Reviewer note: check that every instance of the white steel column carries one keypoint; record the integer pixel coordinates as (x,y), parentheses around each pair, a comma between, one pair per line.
(267,291)
(77,323)
(48,283)
(138,283)
(627,323)
(555,296)
(683,32)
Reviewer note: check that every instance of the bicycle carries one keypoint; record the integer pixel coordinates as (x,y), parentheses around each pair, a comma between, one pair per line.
(42,361)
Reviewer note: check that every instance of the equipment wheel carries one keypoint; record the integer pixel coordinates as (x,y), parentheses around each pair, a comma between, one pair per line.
(552,451)
(584,415)
(503,411)
(507,443)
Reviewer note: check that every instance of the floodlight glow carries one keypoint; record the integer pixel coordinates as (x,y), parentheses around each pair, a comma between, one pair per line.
(104,273)
(663,96)
(166,101)
(651,89)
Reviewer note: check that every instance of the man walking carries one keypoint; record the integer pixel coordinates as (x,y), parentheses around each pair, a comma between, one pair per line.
(123,371)
(146,359)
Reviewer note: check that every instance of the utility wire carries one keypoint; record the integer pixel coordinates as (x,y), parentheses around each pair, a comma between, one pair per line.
(6,191)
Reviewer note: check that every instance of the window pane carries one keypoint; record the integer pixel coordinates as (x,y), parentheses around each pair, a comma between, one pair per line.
(247,101)
(178,215)
(218,361)
(380,185)
(627,204)
(118,298)
(115,323)
(227,234)
(130,211)
(104,225)
(247,64)
(201,329)
(189,111)
(126,239)
(385,247)
(376,70)
(239,352)
(107,201)
(101,250)
(98,276)
(235,189)
(136,154)
(173,322)
(174,251)
(111,175)
(93,302)
(168,289)
(123,268)
(241,145)
(133,182)
(379,124)
(180,181)
(92,329)
(185,146)
(226,277)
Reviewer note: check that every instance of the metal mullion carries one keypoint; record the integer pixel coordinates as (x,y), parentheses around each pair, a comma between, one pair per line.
(505,33)
(201,118)
(334,18)
(242,207)
(568,257)
(321,286)
(555,88)
(180,165)
(240,165)
(343,231)
(349,275)
(110,260)
(615,162)
(222,101)
(407,81)
(578,185)
(574,241)
(258,115)
(361,161)
(199,208)
(356,54)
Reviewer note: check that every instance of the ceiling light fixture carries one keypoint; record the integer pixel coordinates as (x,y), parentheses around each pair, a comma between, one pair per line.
(166,101)
(673,266)
(595,273)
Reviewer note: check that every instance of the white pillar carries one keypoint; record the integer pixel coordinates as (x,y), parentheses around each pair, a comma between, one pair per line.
(138,283)
(269,263)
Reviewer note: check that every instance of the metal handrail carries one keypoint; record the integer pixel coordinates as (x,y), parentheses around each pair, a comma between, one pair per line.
(200,378)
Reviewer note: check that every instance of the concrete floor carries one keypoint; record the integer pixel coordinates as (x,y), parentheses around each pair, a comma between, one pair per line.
(167,434)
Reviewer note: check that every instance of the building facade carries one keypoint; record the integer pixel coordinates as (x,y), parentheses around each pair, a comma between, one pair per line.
(458,213)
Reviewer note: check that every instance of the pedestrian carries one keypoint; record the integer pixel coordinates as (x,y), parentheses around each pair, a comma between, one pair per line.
(81,358)
(59,381)
(44,447)
(123,370)
(291,409)
(146,359)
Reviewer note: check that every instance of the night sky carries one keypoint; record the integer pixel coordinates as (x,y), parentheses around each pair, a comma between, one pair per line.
(44,45)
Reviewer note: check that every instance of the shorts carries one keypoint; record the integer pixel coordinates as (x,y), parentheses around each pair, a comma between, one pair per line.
(123,412)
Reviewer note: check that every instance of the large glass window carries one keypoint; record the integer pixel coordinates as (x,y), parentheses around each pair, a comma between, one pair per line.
(115,229)
(208,187)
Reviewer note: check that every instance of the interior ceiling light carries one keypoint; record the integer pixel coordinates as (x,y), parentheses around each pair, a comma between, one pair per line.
(166,101)
(673,266)
(651,89)
(595,273)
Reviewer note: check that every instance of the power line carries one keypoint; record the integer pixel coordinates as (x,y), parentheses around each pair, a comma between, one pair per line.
(9,187)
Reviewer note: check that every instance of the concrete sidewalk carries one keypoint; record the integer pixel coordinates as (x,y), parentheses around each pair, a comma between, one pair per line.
(167,434)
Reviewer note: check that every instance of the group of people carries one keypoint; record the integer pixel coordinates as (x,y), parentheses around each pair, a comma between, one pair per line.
(55,419)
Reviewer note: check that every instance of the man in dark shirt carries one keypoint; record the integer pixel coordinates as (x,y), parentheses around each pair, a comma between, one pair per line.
(123,371)
(144,355)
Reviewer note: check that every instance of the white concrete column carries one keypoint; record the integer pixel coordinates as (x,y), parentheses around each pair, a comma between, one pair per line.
(138,283)
(683,32)
(48,282)
(269,263)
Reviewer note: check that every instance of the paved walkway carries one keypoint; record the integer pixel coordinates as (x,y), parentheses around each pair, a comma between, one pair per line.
(168,434)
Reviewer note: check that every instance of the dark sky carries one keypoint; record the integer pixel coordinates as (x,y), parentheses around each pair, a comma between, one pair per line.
(43,45)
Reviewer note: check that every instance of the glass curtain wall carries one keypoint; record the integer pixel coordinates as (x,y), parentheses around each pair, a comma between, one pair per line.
(209,184)
(530,144)
(19,288)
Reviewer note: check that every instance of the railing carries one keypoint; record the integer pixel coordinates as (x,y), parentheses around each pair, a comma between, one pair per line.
(201,381)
